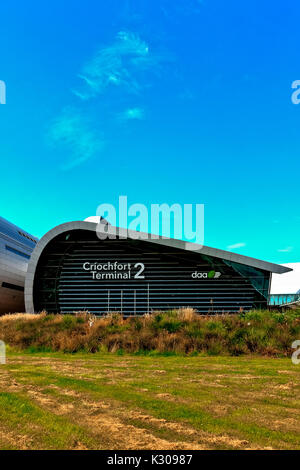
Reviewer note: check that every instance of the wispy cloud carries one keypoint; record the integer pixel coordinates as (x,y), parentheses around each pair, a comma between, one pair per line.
(126,65)
(236,245)
(72,131)
(287,249)
(131,114)
(116,65)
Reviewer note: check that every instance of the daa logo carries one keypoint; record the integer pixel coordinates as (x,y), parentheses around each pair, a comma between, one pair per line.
(209,275)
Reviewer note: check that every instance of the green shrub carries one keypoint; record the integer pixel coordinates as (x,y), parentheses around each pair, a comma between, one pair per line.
(194,330)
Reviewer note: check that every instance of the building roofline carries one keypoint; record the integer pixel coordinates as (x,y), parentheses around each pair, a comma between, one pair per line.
(17,228)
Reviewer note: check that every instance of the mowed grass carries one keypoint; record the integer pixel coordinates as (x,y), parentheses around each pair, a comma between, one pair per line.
(111,401)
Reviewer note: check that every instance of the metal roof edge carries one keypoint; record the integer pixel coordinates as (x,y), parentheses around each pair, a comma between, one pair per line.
(171,242)
(201,249)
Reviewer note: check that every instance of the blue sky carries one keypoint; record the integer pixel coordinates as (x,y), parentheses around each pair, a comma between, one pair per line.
(162,101)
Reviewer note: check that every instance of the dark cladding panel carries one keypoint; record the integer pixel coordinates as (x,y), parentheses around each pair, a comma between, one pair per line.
(77,271)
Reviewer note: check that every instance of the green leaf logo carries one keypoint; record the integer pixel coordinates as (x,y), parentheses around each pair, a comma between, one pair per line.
(211,274)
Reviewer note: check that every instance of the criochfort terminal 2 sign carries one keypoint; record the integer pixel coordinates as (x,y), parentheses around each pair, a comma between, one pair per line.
(115,270)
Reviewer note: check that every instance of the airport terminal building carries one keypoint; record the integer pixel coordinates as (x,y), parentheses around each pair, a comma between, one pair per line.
(16,246)
(72,269)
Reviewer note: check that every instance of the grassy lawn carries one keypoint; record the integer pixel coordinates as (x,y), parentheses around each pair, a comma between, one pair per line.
(110,401)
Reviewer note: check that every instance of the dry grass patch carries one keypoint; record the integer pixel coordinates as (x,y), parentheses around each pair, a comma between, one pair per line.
(121,402)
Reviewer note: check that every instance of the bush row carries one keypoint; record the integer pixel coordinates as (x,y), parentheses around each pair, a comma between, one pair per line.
(175,331)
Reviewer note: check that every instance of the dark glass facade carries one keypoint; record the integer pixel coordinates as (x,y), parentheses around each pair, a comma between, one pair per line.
(77,271)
